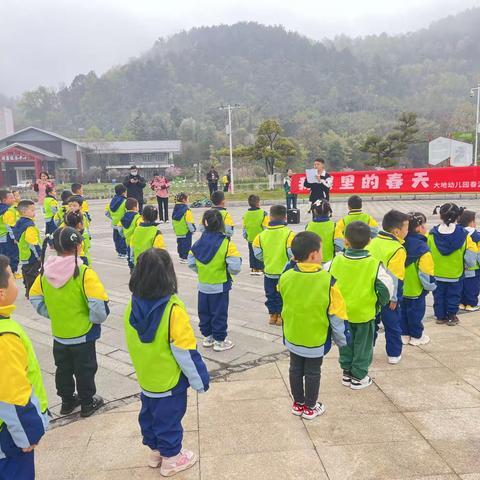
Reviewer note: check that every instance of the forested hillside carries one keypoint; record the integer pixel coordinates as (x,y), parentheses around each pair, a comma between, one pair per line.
(328,96)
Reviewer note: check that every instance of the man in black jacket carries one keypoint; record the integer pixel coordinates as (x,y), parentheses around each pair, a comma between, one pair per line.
(135,185)
(212,179)
(320,190)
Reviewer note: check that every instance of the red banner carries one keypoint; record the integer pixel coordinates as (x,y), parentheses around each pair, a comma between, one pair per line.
(413,180)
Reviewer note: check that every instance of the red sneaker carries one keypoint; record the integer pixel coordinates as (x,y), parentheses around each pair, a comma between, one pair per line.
(297,408)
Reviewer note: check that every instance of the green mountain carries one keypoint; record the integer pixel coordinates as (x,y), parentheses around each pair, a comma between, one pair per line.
(327,95)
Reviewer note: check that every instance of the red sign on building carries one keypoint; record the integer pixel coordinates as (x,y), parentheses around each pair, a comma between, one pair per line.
(413,180)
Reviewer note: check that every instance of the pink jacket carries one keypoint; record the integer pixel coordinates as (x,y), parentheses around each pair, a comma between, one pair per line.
(160,186)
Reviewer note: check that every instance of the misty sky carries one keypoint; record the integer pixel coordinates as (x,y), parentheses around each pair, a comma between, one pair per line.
(47,42)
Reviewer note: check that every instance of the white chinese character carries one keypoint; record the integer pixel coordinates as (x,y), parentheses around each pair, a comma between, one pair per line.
(394,180)
(347,182)
(465,184)
(473,184)
(444,184)
(370,181)
(451,185)
(420,178)
(437,185)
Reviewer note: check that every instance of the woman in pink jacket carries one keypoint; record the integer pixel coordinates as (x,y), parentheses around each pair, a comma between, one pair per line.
(41,185)
(160,186)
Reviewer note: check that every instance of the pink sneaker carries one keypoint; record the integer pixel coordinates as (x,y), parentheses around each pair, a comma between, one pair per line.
(154,459)
(172,465)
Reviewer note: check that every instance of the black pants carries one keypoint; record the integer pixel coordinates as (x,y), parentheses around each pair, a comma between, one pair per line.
(310,369)
(76,364)
(30,273)
(140,206)
(212,187)
(162,208)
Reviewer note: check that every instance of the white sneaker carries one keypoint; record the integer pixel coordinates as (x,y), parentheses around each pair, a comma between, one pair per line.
(394,360)
(356,384)
(208,342)
(253,272)
(172,465)
(311,413)
(167,221)
(406,339)
(423,340)
(161,221)
(461,306)
(222,346)
(469,308)
(183,260)
(259,273)
(154,459)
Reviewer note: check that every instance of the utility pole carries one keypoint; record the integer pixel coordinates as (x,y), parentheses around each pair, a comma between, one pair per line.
(477,124)
(229,108)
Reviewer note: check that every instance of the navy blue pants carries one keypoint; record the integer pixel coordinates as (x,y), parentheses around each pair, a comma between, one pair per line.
(213,314)
(160,421)
(274,302)
(471,290)
(184,245)
(255,263)
(10,249)
(130,262)
(50,227)
(446,298)
(19,467)
(119,241)
(393,332)
(411,316)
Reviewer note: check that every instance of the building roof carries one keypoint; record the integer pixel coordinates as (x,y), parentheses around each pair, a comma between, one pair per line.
(46,132)
(146,146)
(31,148)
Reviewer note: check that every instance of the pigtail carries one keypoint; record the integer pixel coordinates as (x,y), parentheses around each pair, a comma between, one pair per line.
(435,210)
(76,271)
(46,241)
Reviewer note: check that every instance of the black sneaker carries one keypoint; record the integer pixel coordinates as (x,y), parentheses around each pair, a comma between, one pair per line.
(346,378)
(91,408)
(441,321)
(70,405)
(452,320)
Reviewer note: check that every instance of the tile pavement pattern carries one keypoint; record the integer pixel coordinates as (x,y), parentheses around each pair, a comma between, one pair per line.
(418,421)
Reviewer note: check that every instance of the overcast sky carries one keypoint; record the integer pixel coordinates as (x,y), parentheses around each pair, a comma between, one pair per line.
(48,42)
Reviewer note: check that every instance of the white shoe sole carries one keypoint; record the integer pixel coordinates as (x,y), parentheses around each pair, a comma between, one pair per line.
(416,341)
(346,383)
(223,349)
(361,386)
(297,414)
(394,361)
(154,464)
(174,471)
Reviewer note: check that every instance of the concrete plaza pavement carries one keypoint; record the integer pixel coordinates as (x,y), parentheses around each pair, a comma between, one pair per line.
(419,418)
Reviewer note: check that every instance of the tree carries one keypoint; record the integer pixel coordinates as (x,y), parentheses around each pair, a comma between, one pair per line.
(407,126)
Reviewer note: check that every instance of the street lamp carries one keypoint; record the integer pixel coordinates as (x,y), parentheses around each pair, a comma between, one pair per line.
(477,124)
(229,108)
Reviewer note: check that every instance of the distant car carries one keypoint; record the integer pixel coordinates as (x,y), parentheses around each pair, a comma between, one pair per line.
(26,184)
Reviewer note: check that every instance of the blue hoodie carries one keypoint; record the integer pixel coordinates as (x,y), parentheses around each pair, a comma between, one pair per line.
(416,246)
(321,219)
(450,242)
(179,210)
(116,202)
(206,247)
(127,219)
(146,316)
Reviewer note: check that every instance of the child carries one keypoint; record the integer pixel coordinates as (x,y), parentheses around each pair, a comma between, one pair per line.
(163,349)
(215,258)
(77,189)
(115,210)
(255,220)
(59,216)
(183,226)
(418,281)
(218,200)
(8,219)
(147,234)
(75,220)
(453,250)
(312,308)
(12,247)
(323,226)
(27,237)
(272,246)
(355,213)
(471,281)
(50,208)
(366,287)
(23,400)
(62,282)
(388,248)
(129,223)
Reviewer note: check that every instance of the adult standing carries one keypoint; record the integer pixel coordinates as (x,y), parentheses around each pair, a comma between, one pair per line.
(287,185)
(160,186)
(212,180)
(41,184)
(320,190)
(135,185)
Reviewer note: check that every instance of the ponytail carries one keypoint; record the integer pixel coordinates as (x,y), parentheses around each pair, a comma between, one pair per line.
(66,241)
(47,241)
(449,212)
(322,208)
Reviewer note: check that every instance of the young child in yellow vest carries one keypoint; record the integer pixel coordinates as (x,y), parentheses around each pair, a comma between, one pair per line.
(23,400)
(355,213)
(471,281)
(218,201)
(255,220)
(147,234)
(62,210)
(128,223)
(453,250)
(77,189)
(272,246)
(50,208)
(115,210)
(419,280)
(366,287)
(183,225)
(8,219)
(313,309)
(324,227)
(65,281)
(163,349)
(76,220)
(215,258)
(12,247)
(388,248)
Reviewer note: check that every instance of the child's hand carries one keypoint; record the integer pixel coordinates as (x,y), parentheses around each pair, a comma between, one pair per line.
(392,305)
(29,449)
